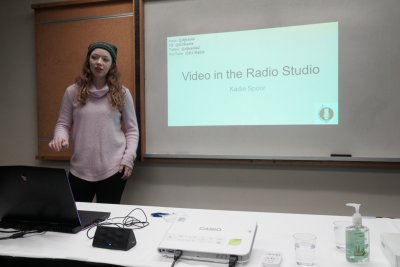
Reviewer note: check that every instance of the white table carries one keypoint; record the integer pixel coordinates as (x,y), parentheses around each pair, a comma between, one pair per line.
(274,232)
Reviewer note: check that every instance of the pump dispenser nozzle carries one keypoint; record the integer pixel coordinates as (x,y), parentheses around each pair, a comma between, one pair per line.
(357,219)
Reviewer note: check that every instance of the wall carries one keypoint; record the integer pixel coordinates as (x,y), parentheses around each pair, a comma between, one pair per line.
(258,188)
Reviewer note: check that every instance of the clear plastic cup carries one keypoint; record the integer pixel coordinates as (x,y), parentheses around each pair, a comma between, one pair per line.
(339,229)
(304,244)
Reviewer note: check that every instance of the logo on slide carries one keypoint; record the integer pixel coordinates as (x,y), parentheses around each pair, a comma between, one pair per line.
(326,113)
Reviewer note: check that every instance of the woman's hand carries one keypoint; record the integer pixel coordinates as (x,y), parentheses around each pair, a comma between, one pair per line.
(126,171)
(58,144)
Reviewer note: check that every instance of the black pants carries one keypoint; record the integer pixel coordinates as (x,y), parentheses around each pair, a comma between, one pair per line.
(108,190)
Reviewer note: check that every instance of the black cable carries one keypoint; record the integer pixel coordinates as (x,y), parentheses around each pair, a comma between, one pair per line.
(20,234)
(177,255)
(233,259)
(128,221)
(17,235)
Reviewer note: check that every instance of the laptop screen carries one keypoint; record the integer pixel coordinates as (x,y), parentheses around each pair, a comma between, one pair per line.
(36,198)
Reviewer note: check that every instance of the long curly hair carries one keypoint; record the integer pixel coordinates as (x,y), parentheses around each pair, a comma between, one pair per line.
(85,79)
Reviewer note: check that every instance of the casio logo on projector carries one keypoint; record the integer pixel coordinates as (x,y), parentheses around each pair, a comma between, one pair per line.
(210,229)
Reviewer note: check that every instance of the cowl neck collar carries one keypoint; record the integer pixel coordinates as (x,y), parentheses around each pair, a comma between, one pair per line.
(93,91)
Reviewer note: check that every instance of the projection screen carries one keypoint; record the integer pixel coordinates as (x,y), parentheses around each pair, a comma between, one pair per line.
(271,79)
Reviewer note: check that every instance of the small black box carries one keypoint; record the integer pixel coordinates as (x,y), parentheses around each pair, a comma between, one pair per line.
(114,238)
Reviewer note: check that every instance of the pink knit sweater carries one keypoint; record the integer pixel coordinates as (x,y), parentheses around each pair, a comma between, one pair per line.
(103,137)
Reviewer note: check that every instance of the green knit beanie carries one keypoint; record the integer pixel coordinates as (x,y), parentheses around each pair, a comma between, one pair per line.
(112,49)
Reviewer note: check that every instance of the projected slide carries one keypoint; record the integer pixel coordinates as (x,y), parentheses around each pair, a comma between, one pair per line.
(276,76)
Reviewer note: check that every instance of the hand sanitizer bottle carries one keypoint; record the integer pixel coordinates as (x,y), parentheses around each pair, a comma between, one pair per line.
(357,238)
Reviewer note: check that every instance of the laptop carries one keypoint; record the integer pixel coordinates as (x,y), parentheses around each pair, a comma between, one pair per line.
(40,198)
(210,238)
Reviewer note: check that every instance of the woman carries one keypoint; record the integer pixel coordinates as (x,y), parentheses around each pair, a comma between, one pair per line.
(99,112)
